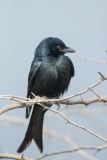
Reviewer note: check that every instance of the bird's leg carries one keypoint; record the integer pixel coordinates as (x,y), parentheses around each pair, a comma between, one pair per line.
(58,104)
(47,104)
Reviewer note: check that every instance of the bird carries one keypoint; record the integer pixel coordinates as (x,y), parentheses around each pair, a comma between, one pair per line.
(49,76)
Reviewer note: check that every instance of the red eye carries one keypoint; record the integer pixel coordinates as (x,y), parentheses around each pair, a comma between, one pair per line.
(59,47)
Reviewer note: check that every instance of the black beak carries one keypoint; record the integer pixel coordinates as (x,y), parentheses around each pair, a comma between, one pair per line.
(68,49)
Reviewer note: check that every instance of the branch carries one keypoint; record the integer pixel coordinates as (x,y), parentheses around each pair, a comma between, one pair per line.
(52,134)
(12,156)
(28,102)
(12,97)
(56,111)
(66,101)
(73,123)
(69,141)
(36,100)
(97,148)
(74,95)
(91,59)
(84,101)
(14,106)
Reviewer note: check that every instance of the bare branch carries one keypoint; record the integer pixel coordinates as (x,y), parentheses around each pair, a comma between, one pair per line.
(66,101)
(101,99)
(12,97)
(52,134)
(69,121)
(98,148)
(10,107)
(28,102)
(91,59)
(44,99)
(12,156)
(83,101)
(73,123)
(68,140)
(38,100)
(77,94)
(56,111)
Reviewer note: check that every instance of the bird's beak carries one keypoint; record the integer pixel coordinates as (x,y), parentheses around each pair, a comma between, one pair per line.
(68,49)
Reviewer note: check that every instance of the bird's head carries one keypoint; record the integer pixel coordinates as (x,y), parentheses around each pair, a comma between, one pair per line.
(57,46)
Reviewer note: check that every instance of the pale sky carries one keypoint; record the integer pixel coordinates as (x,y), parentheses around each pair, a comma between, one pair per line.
(82,25)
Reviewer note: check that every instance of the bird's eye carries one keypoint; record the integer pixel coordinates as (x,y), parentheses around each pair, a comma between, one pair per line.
(59,47)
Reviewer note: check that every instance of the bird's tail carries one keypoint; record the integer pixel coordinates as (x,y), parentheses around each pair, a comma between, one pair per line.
(34,130)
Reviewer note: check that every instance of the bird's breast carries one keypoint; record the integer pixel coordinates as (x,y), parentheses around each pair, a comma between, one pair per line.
(53,77)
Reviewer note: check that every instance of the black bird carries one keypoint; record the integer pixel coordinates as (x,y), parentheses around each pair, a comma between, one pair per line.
(49,76)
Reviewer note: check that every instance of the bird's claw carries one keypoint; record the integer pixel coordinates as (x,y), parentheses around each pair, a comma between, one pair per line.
(58,104)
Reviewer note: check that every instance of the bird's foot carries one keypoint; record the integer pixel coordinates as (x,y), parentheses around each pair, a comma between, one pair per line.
(58,104)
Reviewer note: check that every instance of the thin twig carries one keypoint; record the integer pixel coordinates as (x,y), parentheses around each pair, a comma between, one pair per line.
(98,148)
(73,123)
(11,156)
(91,59)
(13,96)
(69,141)
(52,134)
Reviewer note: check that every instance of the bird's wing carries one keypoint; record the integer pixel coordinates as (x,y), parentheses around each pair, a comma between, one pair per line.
(32,75)
(31,78)
(72,70)
(72,67)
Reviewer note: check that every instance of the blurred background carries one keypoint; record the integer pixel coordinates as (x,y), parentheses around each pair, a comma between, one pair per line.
(82,25)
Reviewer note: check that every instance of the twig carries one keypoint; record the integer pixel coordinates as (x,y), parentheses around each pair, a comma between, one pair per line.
(91,59)
(69,141)
(13,106)
(100,98)
(83,101)
(52,134)
(98,148)
(13,96)
(12,156)
(73,123)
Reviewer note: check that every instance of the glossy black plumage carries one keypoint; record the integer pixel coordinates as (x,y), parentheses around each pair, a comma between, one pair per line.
(49,76)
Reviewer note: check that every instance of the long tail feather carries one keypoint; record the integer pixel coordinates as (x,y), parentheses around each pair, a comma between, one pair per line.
(34,130)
